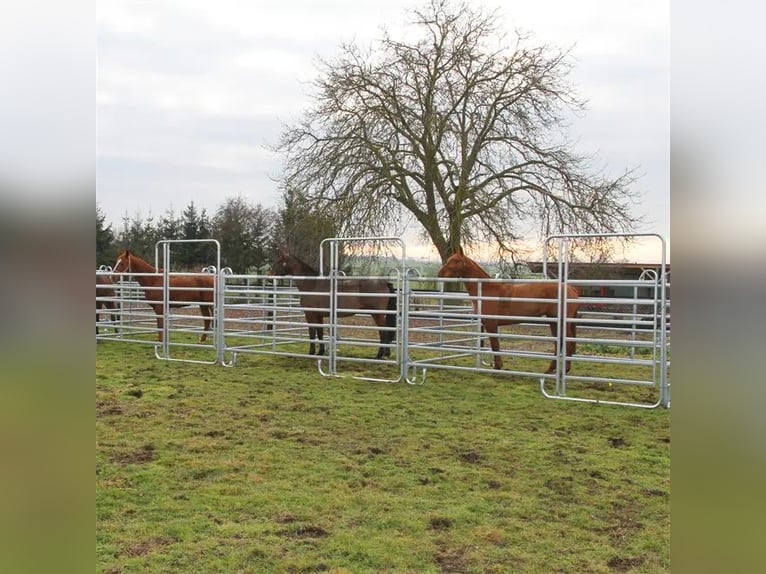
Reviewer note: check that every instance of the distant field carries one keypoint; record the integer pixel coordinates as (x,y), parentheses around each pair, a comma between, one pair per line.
(268,467)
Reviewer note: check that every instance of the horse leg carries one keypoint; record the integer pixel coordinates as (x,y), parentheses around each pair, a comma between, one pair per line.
(312,336)
(491,327)
(389,320)
(316,333)
(571,343)
(570,346)
(106,307)
(310,318)
(387,337)
(114,318)
(383,335)
(207,314)
(554,331)
(320,335)
(160,321)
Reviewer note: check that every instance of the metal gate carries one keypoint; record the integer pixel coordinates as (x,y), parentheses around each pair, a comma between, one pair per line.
(445,331)
(137,320)
(621,329)
(263,316)
(339,334)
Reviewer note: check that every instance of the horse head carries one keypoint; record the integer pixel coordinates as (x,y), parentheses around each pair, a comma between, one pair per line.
(281,265)
(455,266)
(123,263)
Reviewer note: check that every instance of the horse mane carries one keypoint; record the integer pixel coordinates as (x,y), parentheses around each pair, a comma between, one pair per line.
(479,269)
(305,268)
(130,254)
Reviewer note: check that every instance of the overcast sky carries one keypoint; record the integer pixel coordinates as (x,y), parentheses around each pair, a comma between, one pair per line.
(191,92)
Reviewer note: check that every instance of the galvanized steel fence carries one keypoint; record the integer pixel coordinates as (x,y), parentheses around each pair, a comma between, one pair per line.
(622,340)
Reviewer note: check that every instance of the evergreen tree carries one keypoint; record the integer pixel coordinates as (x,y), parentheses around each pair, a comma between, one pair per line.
(194,225)
(139,235)
(170,225)
(244,232)
(106,251)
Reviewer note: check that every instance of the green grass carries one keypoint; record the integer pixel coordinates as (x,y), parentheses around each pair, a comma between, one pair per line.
(269,467)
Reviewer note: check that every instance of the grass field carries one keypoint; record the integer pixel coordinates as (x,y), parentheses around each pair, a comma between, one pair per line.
(268,467)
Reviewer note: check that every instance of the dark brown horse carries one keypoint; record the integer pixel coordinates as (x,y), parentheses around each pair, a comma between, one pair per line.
(105,298)
(458,265)
(184,290)
(374,297)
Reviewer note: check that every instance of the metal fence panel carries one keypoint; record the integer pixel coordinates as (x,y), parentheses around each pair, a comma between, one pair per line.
(438,326)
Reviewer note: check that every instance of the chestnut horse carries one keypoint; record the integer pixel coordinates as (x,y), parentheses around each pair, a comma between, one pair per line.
(315,298)
(184,290)
(458,265)
(104,289)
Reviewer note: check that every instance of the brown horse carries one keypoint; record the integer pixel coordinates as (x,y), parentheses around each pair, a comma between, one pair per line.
(315,298)
(184,290)
(104,298)
(458,265)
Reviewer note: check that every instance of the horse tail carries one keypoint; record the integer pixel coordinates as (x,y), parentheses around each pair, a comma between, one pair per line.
(391,316)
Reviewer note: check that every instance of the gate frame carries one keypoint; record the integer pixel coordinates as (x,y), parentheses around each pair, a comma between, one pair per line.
(217,314)
(401,310)
(563,270)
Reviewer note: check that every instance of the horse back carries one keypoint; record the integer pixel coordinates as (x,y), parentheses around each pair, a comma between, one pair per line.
(191,288)
(352,293)
(205,283)
(516,300)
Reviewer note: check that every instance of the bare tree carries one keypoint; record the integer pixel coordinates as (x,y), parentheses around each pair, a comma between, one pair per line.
(459,131)
(300,228)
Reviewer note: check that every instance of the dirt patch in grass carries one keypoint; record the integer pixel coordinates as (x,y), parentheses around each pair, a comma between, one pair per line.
(623,523)
(561,485)
(141,456)
(618,564)
(439,523)
(307,531)
(470,457)
(145,546)
(655,492)
(452,560)
(104,408)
